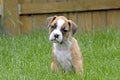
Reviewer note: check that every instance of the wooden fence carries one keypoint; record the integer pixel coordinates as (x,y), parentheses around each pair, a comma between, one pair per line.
(22,16)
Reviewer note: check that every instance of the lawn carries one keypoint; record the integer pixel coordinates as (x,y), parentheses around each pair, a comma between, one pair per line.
(28,57)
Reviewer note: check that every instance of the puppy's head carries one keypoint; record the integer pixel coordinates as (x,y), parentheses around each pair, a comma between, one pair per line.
(60,28)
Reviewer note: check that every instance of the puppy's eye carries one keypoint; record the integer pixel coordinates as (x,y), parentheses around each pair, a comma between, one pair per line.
(53,27)
(64,30)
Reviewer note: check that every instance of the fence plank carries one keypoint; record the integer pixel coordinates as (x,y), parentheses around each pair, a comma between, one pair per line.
(99,19)
(84,5)
(85,21)
(113,18)
(73,17)
(10,17)
(39,21)
(26,26)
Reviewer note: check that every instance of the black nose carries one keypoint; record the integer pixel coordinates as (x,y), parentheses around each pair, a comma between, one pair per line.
(56,35)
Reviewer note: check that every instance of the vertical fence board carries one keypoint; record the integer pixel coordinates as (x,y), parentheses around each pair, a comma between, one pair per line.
(73,17)
(26,26)
(10,17)
(99,19)
(113,18)
(85,21)
(39,21)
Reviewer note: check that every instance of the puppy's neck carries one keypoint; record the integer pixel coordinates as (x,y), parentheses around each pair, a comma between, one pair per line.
(64,46)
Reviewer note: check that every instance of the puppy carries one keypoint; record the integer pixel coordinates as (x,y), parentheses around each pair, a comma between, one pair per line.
(65,52)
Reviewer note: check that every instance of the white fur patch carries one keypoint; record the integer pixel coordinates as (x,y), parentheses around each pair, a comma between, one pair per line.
(63,55)
(60,23)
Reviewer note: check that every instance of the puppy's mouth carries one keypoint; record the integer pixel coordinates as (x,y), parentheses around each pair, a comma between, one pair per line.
(56,37)
(57,41)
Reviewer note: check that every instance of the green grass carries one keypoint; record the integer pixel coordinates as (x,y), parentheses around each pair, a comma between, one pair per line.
(28,57)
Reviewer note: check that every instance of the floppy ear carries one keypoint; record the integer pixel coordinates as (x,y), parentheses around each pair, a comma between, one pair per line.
(73,27)
(50,20)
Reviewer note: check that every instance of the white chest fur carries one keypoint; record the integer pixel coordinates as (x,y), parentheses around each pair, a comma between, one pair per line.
(63,55)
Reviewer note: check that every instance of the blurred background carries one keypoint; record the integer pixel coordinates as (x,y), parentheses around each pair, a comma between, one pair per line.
(22,16)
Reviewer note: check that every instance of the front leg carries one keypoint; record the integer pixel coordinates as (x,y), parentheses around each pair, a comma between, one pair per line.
(55,65)
(77,58)
(78,66)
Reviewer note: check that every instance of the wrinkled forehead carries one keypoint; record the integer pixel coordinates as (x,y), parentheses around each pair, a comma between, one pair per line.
(60,23)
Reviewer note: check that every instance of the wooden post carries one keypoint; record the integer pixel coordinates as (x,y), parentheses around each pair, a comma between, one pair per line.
(10,17)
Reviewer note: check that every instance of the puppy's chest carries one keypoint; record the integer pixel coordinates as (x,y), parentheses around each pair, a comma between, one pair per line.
(64,57)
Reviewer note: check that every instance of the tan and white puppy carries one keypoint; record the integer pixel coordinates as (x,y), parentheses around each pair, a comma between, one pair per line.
(66,52)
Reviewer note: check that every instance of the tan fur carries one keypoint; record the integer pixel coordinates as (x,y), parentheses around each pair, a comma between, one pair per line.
(77,60)
(76,56)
